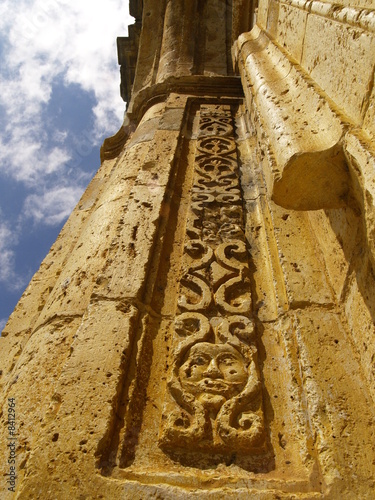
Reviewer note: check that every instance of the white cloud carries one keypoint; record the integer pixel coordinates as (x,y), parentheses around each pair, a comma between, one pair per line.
(53,206)
(8,275)
(6,254)
(3,322)
(48,41)
(44,43)
(28,161)
(74,39)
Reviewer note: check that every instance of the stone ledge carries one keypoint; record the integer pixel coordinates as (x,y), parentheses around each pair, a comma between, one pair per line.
(194,86)
(304,133)
(360,18)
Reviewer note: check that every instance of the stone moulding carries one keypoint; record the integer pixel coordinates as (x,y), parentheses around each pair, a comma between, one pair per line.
(112,146)
(127,50)
(360,18)
(142,100)
(304,133)
(199,85)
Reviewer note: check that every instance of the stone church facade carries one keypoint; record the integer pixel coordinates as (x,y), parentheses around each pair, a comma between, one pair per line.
(203,326)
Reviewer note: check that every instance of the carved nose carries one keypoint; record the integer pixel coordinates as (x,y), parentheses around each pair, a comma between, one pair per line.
(213,370)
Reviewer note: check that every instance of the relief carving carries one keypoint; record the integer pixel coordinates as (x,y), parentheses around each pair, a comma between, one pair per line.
(214,400)
(216,385)
(216,124)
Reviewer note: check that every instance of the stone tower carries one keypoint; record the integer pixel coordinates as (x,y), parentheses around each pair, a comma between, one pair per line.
(203,326)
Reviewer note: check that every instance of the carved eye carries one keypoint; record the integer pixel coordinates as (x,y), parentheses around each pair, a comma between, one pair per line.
(199,360)
(228,360)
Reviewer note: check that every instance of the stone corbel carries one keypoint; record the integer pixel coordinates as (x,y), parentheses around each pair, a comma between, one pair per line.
(304,135)
(112,146)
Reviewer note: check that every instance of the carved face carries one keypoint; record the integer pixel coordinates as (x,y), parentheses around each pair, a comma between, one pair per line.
(213,372)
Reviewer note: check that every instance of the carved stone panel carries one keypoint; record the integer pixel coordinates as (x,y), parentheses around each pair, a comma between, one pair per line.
(214,401)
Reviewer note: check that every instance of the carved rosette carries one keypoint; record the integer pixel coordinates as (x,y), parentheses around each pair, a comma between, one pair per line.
(214,401)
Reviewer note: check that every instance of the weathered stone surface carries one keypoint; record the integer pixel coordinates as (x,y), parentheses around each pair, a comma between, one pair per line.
(335,390)
(204,325)
(361,324)
(303,132)
(342,64)
(369,122)
(262,13)
(291,30)
(83,404)
(361,160)
(337,261)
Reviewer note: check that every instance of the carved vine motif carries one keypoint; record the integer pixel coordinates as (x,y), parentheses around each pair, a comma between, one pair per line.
(214,400)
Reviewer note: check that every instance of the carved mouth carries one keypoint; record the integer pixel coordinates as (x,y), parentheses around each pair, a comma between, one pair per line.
(214,385)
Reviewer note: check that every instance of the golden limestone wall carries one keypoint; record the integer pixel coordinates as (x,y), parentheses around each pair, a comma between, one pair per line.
(203,326)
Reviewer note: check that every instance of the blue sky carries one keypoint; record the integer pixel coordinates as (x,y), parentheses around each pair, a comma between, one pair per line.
(59,99)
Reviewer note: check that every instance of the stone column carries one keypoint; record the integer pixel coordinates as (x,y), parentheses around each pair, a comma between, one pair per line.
(203,326)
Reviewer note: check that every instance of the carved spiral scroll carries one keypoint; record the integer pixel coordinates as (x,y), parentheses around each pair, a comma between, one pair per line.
(214,398)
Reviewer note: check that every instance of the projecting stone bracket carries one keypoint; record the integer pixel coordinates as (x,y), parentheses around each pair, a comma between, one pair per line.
(112,146)
(304,135)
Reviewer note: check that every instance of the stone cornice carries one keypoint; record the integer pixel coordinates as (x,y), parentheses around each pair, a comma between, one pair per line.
(359,18)
(304,133)
(127,53)
(196,86)
(136,9)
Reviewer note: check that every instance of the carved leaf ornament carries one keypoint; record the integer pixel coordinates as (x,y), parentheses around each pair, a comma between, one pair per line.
(214,401)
